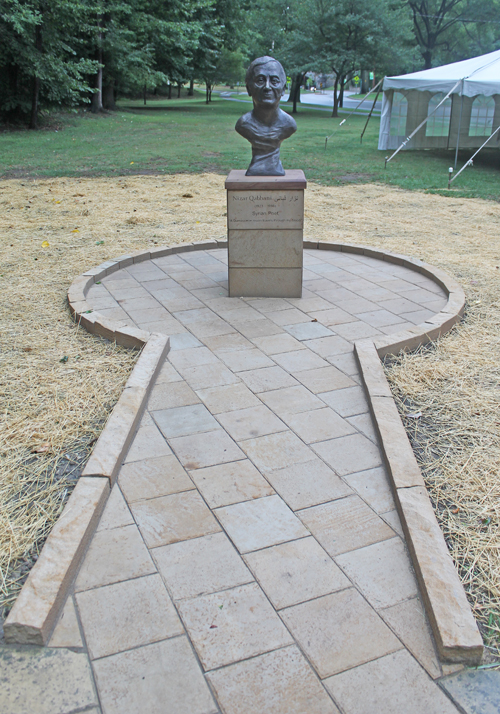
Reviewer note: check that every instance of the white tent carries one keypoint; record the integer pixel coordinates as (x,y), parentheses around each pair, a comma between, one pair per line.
(466,118)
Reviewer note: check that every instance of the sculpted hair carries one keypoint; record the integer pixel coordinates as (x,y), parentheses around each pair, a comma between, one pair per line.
(260,61)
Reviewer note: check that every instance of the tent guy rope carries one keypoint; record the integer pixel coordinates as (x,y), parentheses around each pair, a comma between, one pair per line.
(355,109)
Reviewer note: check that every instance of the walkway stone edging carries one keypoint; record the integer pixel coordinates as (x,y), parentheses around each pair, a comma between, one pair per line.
(455,631)
(38,605)
(454,628)
(43,595)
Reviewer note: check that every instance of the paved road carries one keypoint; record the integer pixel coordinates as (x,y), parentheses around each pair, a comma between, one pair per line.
(323,102)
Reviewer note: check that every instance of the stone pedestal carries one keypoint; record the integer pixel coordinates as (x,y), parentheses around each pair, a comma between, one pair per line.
(265,221)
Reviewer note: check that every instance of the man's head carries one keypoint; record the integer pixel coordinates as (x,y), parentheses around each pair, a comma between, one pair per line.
(265,81)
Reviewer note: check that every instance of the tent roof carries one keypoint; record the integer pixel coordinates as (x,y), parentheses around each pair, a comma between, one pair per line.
(481,75)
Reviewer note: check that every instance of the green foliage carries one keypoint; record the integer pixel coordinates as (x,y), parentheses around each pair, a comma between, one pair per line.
(62,52)
(56,53)
(221,55)
(344,35)
(38,54)
(452,30)
(231,67)
(478,31)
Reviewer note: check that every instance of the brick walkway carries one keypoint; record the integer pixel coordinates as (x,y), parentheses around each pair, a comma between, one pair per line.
(250,558)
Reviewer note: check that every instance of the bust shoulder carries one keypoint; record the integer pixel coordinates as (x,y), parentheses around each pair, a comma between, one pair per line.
(287,122)
(244,125)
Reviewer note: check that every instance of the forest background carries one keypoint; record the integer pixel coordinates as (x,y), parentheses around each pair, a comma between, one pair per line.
(69,53)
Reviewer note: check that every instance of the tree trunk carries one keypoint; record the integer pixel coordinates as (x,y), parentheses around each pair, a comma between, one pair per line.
(191,88)
(108,96)
(427,55)
(179,90)
(13,75)
(294,95)
(365,81)
(208,92)
(35,95)
(34,104)
(170,91)
(96,104)
(144,93)
(341,92)
(335,111)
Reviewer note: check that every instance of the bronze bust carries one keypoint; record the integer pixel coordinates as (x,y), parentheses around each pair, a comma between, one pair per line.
(266,126)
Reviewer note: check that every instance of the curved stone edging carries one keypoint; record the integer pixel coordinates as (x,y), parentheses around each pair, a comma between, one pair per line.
(430,330)
(441,323)
(35,611)
(97,324)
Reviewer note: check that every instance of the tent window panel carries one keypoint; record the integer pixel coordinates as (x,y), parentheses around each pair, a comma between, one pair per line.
(439,123)
(481,117)
(399,112)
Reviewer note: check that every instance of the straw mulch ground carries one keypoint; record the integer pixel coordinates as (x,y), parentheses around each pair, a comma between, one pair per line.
(54,409)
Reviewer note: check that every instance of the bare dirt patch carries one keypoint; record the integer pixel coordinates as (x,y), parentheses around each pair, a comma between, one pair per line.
(454,384)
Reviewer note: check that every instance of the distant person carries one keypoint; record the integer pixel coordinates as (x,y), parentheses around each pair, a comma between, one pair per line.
(266,126)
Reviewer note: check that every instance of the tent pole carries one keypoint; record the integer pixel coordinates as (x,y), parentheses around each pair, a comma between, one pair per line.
(471,160)
(459,121)
(369,116)
(422,123)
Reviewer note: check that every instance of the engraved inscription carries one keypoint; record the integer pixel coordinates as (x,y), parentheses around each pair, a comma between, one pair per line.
(269,209)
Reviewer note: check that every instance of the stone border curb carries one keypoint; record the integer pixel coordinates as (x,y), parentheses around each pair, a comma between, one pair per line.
(430,329)
(97,324)
(455,630)
(36,610)
(44,593)
(114,441)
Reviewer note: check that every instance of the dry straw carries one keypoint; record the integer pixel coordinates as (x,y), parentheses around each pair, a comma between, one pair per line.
(61,406)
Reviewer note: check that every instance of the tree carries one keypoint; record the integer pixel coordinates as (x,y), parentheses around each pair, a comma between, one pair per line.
(222,44)
(39,62)
(432,20)
(142,45)
(275,24)
(342,36)
(62,52)
(479,29)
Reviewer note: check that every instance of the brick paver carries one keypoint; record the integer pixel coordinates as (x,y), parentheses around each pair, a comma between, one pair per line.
(251,558)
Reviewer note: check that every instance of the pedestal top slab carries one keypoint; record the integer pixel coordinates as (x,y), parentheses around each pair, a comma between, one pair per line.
(293,179)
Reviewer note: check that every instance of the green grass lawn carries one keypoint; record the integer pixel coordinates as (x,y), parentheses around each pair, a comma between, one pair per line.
(186,135)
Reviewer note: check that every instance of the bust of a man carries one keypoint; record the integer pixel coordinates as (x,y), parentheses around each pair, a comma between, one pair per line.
(266,126)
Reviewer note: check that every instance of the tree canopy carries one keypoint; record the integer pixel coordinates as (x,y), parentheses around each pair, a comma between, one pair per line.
(62,53)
